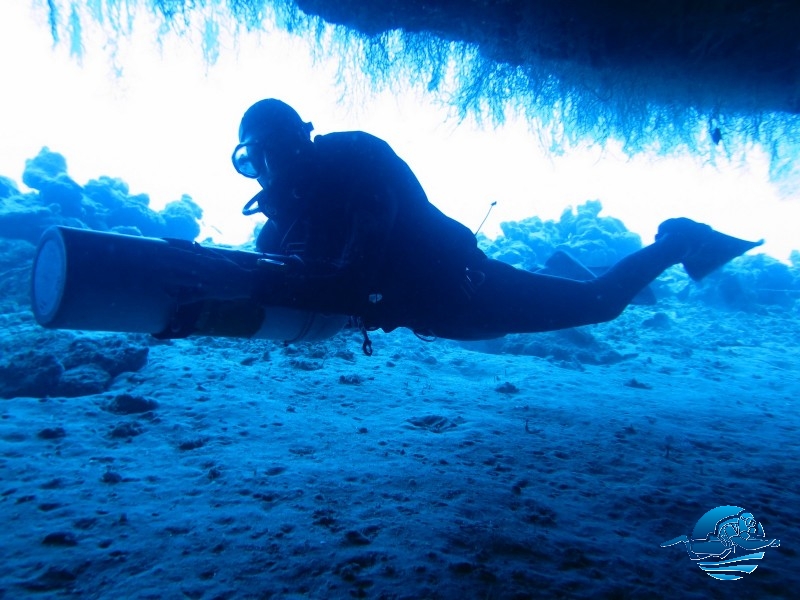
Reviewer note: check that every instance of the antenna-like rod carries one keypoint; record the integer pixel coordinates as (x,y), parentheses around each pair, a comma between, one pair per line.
(491,206)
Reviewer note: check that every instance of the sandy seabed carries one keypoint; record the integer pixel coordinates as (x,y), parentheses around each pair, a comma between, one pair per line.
(248,469)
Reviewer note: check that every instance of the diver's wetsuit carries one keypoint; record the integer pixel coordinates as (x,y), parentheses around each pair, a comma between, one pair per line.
(376,248)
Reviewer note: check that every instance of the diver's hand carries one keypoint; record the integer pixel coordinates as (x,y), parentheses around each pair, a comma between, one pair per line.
(280,262)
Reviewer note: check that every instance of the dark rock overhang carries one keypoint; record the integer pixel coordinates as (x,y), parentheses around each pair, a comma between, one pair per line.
(748,51)
(663,73)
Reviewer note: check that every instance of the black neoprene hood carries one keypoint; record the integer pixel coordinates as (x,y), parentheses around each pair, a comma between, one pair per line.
(273,119)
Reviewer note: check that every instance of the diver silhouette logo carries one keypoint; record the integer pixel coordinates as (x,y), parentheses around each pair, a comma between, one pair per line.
(731,536)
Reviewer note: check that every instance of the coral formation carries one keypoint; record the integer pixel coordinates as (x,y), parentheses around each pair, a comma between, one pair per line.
(104,204)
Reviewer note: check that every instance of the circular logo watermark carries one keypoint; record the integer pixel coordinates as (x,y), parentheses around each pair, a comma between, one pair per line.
(727,543)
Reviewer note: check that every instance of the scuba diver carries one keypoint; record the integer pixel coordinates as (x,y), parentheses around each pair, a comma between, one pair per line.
(364,241)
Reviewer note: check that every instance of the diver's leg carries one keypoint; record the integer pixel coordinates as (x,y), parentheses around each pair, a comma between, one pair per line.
(512,300)
(561,264)
(515,301)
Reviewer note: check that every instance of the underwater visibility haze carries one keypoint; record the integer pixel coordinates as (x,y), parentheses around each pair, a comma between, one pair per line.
(604,461)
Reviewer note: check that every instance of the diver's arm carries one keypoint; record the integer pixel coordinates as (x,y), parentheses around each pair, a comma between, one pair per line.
(369,231)
(268,240)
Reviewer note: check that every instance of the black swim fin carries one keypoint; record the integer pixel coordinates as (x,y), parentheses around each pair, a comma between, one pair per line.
(714,250)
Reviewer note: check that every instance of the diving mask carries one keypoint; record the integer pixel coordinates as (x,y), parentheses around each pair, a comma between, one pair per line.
(249,159)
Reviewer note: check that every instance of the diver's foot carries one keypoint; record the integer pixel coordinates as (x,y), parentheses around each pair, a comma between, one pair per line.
(706,250)
(683,227)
